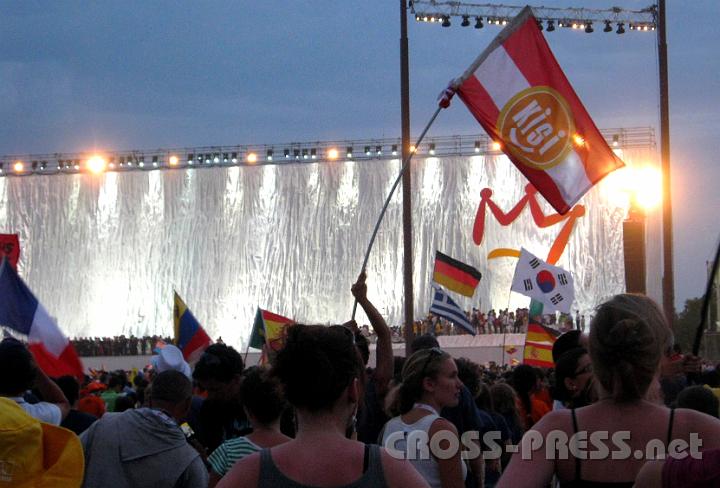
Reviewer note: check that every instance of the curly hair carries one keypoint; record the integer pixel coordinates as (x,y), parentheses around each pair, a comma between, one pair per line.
(261,395)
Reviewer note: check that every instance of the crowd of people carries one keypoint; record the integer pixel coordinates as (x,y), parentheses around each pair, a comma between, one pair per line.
(319,415)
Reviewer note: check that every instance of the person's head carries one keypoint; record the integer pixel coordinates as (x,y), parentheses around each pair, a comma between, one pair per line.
(70,388)
(699,398)
(124,402)
(565,342)
(117,381)
(425,341)
(628,337)
(428,376)
(573,376)
(218,371)
(262,398)
(483,401)
(319,368)
(17,368)
(469,374)
(504,400)
(171,391)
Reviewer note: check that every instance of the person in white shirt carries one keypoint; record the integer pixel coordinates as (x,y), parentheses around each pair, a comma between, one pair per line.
(19,373)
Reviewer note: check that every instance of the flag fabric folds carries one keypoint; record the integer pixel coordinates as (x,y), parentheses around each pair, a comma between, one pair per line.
(538,345)
(443,306)
(269,328)
(455,275)
(190,337)
(521,97)
(10,248)
(22,312)
(548,284)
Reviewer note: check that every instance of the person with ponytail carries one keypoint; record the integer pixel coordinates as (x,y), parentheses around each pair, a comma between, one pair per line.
(628,337)
(429,383)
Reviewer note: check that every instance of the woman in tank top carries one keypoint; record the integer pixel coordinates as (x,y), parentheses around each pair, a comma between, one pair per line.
(628,339)
(429,383)
(321,373)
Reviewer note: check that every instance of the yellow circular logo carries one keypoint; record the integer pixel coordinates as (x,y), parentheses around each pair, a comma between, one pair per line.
(537,126)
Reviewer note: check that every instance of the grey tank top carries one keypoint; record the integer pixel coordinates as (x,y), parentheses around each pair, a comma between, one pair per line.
(373,476)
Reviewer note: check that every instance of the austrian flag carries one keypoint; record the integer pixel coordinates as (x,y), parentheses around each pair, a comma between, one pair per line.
(521,97)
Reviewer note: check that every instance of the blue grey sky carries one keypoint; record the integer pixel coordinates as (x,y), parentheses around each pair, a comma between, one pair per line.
(78,76)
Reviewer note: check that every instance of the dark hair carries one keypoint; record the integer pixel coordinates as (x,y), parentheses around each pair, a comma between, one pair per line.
(422,364)
(524,380)
(565,367)
(261,395)
(565,342)
(124,402)
(483,400)
(316,365)
(700,399)
(504,401)
(117,378)
(171,386)
(425,341)
(70,388)
(469,374)
(17,368)
(363,346)
(219,362)
(627,339)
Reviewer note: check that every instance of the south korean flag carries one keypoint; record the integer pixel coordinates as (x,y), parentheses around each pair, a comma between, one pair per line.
(548,284)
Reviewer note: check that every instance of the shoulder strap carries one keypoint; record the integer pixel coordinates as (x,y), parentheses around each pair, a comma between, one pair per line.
(670,427)
(366,458)
(575,431)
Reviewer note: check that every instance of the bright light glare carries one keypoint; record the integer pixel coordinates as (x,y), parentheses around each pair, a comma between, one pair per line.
(173,160)
(641,185)
(412,149)
(18,166)
(96,164)
(333,153)
(252,158)
(496,146)
(578,140)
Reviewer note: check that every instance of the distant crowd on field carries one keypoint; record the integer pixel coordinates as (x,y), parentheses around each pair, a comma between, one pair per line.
(318,414)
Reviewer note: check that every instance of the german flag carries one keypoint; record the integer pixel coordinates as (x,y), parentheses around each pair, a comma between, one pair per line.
(538,345)
(455,275)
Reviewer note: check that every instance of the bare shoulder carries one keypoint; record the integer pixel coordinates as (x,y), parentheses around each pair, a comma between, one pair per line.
(554,420)
(706,427)
(650,475)
(399,472)
(440,424)
(245,472)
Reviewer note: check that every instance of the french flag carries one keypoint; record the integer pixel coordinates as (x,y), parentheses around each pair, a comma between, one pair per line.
(21,311)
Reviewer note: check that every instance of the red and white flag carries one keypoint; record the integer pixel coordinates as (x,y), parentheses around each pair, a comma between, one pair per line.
(519,94)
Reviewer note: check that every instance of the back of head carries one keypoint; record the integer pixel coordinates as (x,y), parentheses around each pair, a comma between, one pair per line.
(504,399)
(568,340)
(700,399)
(627,338)
(316,365)
(69,387)
(425,363)
(171,387)
(17,370)
(524,379)
(261,395)
(425,341)
(219,362)
(469,374)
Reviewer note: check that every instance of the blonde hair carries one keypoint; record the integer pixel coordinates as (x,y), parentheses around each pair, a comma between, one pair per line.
(422,364)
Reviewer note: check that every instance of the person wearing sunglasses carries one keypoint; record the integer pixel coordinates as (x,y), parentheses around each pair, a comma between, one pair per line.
(321,374)
(430,383)
(573,379)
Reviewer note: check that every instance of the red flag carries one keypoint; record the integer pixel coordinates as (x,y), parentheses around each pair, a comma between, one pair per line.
(521,97)
(10,247)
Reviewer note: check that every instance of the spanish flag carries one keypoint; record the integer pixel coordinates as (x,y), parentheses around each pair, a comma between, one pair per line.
(538,345)
(190,337)
(269,328)
(455,275)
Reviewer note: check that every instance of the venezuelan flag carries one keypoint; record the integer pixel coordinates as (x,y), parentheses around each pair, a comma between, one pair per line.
(455,275)
(190,337)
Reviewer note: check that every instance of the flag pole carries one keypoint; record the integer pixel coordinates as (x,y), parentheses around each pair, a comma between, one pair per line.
(704,316)
(404,167)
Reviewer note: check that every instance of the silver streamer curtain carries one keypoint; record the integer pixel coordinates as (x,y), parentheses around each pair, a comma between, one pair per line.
(103,253)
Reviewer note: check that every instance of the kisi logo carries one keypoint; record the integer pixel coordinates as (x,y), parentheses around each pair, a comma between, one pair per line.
(536,125)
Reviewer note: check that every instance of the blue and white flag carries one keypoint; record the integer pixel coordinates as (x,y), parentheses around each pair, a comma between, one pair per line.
(443,306)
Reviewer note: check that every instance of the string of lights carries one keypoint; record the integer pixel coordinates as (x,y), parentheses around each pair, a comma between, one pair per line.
(291,153)
(550,18)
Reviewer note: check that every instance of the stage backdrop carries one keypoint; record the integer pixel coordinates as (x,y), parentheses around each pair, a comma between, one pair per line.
(103,253)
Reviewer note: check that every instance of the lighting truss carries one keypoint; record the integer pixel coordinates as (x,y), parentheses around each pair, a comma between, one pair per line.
(578,18)
(329,152)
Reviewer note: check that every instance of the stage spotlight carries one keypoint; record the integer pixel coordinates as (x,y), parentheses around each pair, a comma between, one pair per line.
(304,153)
(620,28)
(465,21)
(478,23)
(412,149)
(269,156)
(578,140)
(141,163)
(378,150)
(216,158)
(226,157)
(393,149)
(34,165)
(77,165)
(477,146)
(286,153)
(616,140)
(296,153)
(551,25)
(446,21)
(252,158)
(233,158)
(43,165)
(96,164)
(589,28)
(608,27)
(190,158)
(367,151)
(155,161)
(495,146)
(2,168)
(348,152)
(313,153)
(173,160)
(332,154)
(432,149)
(18,166)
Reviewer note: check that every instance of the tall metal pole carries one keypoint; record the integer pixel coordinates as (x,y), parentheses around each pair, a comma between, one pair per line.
(406,178)
(668,282)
